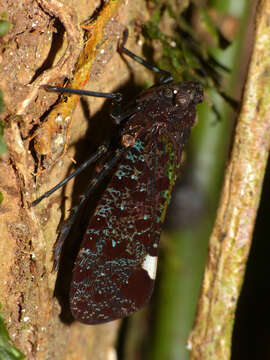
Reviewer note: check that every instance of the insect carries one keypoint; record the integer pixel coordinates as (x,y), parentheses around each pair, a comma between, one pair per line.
(115,269)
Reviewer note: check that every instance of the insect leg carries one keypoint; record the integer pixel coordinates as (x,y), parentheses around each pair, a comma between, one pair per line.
(66,227)
(167,77)
(116,114)
(100,152)
(114,96)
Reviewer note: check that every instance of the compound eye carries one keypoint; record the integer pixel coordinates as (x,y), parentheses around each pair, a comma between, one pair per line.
(168,93)
(182,100)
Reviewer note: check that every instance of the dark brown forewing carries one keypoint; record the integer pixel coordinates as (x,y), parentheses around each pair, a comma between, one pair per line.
(115,268)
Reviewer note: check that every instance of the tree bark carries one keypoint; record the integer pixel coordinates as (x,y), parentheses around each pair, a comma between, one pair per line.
(43,47)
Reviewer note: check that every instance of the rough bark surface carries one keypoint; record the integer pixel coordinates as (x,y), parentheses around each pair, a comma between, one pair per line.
(42,48)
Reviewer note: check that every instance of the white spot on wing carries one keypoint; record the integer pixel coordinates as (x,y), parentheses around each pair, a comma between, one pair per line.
(150,266)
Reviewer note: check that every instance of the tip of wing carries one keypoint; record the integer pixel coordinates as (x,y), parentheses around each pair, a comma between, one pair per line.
(111,296)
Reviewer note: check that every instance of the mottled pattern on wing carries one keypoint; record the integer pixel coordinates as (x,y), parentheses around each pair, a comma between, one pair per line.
(110,280)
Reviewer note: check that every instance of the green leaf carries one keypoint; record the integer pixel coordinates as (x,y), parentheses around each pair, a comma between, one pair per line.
(7,351)
(152,31)
(3,146)
(5,26)
(190,58)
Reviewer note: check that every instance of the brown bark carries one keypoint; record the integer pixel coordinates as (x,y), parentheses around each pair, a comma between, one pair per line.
(34,54)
